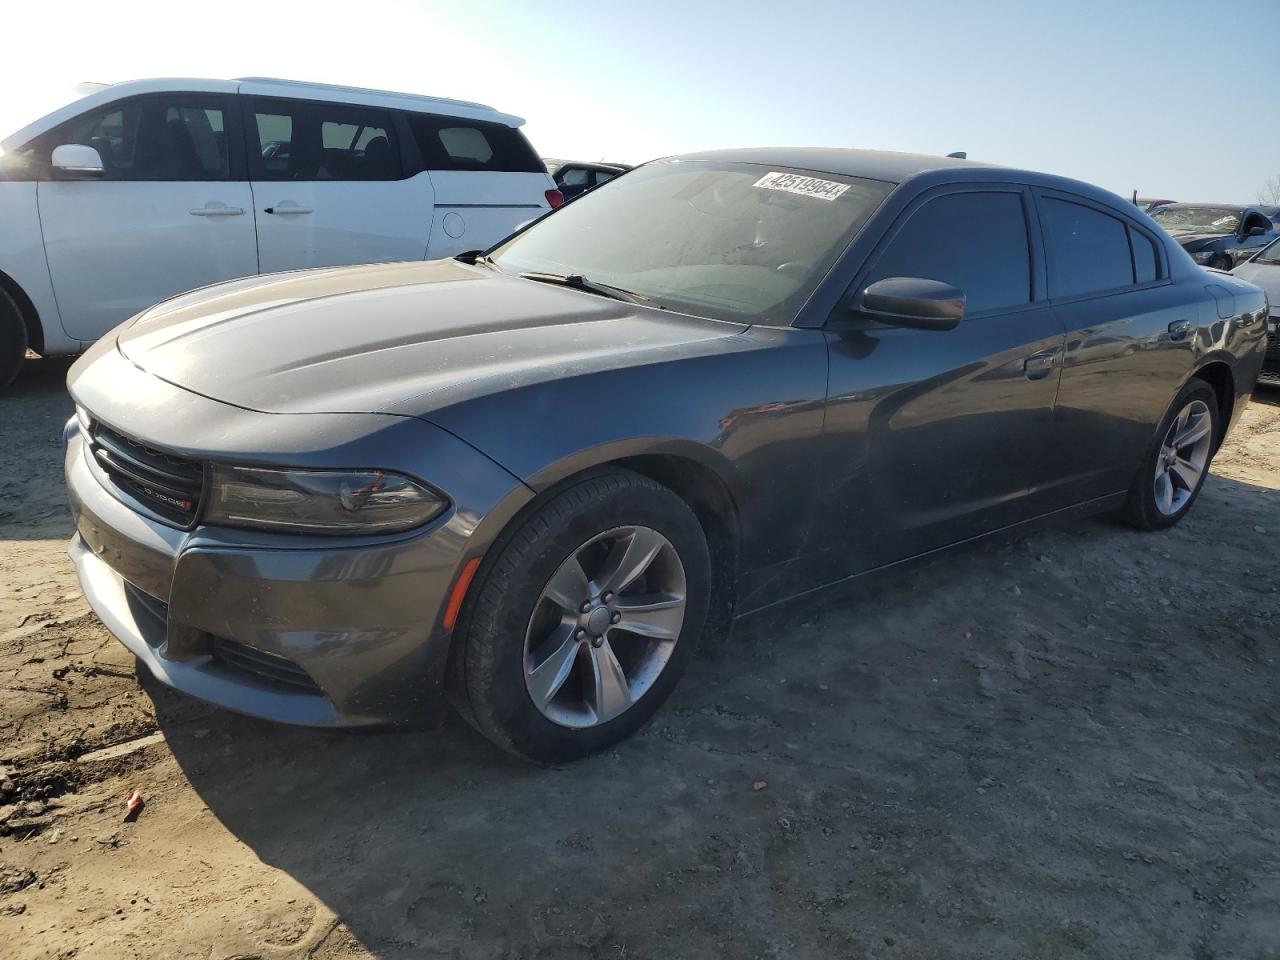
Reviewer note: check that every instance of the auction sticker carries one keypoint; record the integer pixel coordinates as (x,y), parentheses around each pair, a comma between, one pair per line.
(805,186)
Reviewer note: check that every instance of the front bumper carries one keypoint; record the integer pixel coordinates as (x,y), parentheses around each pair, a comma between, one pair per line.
(319,631)
(1270,375)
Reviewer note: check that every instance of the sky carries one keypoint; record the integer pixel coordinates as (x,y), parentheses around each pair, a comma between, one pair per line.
(1171,98)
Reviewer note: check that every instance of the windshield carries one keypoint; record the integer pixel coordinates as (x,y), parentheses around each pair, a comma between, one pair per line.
(733,241)
(1270,253)
(1198,219)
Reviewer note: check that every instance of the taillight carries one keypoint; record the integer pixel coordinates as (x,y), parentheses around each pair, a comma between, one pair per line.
(555,198)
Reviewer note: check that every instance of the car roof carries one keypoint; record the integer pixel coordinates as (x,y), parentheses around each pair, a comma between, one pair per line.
(897,168)
(871,164)
(1182,205)
(263,87)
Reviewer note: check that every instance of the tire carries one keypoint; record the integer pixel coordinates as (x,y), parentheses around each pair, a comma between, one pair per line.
(1153,506)
(515,635)
(1221,262)
(13,340)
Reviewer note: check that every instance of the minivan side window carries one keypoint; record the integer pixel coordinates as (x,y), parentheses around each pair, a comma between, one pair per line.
(314,140)
(1089,250)
(975,241)
(454,143)
(171,137)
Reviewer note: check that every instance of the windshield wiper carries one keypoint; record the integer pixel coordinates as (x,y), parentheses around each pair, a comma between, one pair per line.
(578,282)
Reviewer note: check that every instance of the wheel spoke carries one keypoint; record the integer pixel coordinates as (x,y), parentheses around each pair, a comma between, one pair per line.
(629,557)
(1195,429)
(568,587)
(610,694)
(659,616)
(1186,472)
(546,679)
(1164,493)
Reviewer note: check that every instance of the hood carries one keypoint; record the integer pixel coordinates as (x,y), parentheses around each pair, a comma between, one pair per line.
(1192,242)
(403,338)
(1264,275)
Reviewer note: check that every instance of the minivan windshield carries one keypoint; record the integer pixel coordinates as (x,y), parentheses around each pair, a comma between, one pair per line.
(1270,253)
(1173,216)
(732,241)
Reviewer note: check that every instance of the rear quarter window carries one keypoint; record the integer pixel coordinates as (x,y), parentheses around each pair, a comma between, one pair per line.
(453,143)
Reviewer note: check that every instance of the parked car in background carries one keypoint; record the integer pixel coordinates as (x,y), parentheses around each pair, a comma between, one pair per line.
(528,480)
(575,178)
(1148,203)
(1263,270)
(142,190)
(1217,235)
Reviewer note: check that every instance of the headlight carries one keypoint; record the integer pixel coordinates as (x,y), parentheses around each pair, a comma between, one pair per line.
(319,501)
(1204,256)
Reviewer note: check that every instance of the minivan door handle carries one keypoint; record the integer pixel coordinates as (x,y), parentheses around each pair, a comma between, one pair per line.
(1039,365)
(215,209)
(287,208)
(1179,329)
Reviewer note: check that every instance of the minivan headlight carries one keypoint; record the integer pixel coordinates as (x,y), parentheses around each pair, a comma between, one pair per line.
(319,501)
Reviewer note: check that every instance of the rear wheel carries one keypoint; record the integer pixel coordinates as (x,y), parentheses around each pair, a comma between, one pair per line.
(1174,470)
(585,619)
(13,340)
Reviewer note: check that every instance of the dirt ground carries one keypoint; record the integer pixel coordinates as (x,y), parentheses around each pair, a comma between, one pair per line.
(1064,745)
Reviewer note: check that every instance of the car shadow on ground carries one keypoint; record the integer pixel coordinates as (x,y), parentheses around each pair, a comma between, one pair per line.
(1060,745)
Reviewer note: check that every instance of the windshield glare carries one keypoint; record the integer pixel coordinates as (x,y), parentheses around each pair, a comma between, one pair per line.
(732,241)
(1199,219)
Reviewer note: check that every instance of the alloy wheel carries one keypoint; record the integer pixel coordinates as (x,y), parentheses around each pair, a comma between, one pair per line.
(1183,457)
(604,626)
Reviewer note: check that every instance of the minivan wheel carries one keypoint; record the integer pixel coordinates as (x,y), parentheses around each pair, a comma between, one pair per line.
(1174,470)
(13,340)
(585,618)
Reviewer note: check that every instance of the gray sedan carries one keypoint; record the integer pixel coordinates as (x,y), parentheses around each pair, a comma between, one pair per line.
(530,481)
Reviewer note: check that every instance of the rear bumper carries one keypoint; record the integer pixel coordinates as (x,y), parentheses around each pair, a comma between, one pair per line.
(318,631)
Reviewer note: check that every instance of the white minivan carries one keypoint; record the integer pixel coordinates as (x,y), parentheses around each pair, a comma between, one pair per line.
(142,190)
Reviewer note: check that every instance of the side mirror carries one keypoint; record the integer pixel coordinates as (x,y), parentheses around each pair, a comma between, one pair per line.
(1256,231)
(77,160)
(911,302)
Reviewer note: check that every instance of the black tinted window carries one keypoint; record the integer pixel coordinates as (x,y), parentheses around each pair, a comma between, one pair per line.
(1088,250)
(974,241)
(451,143)
(323,141)
(1145,265)
(154,138)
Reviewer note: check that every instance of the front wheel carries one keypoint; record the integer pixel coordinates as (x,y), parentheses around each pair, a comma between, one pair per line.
(585,619)
(1174,470)
(1221,262)
(13,340)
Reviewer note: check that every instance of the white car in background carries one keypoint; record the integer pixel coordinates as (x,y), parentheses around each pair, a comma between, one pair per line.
(142,190)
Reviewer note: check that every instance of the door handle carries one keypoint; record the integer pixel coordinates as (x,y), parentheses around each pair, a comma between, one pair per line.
(1179,329)
(1039,365)
(216,210)
(291,210)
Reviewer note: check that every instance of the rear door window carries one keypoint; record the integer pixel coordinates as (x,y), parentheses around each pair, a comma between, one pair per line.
(317,141)
(1089,250)
(975,241)
(453,143)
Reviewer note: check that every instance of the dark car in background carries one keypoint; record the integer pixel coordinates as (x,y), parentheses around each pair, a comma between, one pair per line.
(575,178)
(1217,235)
(1263,270)
(530,481)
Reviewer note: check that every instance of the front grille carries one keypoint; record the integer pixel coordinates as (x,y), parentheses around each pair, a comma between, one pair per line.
(170,486)
(1273,338)
(269,667)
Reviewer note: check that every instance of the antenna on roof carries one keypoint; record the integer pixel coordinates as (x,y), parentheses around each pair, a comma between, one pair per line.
(959,155)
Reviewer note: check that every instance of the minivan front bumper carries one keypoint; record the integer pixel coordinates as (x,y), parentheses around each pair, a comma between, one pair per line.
(322,631)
